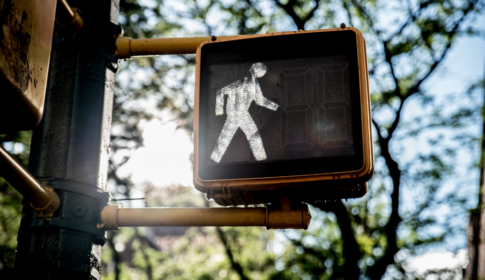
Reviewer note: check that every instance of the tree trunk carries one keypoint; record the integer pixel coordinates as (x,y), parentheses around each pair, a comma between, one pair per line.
(476,222)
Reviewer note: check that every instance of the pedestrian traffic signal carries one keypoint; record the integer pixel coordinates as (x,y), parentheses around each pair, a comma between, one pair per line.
(25,46)
(283,113)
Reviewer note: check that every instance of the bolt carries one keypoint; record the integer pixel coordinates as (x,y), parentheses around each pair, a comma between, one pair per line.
(343,25)
(213,38)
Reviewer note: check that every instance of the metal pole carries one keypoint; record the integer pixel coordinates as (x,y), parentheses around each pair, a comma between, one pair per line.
(127,47)
(70,150)
(42,199)
(68,16)
(113,217)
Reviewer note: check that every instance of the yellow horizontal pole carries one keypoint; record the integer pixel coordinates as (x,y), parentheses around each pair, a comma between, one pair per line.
(42,199)
(127,47)
(114,217)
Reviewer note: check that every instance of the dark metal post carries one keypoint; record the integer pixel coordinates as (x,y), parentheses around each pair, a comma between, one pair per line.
(70,150)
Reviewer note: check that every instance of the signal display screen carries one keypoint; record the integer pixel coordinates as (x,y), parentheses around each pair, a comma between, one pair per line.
(270,109)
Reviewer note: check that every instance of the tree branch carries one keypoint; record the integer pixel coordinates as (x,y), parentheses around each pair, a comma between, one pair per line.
(312,12)
(116,257)
(415,88)
(345,5)
(299,22)
(291,12)
(351,250)
(380,267)
(396,121)
(234,264)
(366,16)
(143,241)
(222,236)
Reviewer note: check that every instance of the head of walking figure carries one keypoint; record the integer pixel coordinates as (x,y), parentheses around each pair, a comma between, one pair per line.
(258,70)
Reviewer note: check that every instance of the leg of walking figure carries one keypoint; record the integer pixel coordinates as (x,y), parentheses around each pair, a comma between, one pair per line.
(252,134)
(256,145)
(228,131)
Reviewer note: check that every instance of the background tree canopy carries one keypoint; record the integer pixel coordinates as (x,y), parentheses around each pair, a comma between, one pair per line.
(419,137)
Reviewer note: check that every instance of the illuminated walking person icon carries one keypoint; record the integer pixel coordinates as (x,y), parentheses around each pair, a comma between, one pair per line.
(240,95)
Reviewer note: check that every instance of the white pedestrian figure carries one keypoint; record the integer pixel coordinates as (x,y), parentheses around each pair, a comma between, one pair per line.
(241,94)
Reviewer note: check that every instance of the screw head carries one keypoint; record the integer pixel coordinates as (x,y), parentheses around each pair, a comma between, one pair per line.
(79,211)
(343,25)
(213,38)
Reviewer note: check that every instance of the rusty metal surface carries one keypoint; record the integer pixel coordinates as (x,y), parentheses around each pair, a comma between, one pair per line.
(70,151)
(25,45)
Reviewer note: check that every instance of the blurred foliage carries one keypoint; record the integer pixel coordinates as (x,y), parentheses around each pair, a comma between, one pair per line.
(412,205)
(18,144)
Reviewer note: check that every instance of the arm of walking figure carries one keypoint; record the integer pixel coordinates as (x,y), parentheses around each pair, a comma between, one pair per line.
(261,100)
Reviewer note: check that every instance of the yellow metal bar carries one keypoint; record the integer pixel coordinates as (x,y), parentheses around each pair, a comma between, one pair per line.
(42,199)
(113,217)
(68,16)
(127,47)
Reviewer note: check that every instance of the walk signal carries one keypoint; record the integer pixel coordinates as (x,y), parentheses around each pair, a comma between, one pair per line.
(283,113)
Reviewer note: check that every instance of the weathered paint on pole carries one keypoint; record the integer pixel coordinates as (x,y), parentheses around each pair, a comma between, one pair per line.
(70,150)
(113,217)
(127,47)
(26,28)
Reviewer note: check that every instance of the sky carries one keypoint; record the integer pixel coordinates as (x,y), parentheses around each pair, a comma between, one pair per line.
(164,159)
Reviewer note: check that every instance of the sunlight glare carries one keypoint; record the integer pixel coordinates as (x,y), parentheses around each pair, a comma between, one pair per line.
(165,157)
